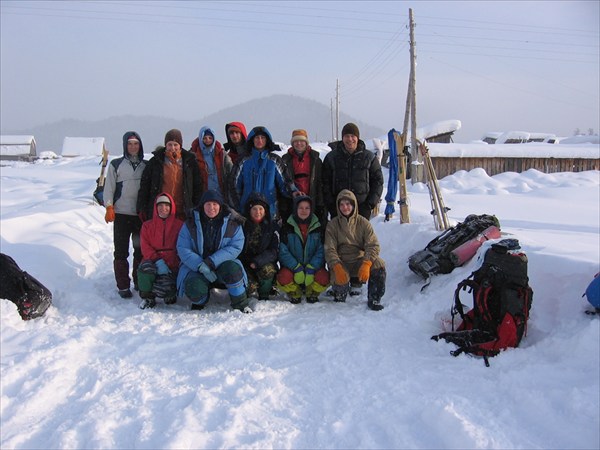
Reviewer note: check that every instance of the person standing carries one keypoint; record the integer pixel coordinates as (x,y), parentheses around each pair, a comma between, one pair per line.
(306,170)
(174,170)
(214,164)
(349,165)
(301,254)
(209,244)
(121,189)
(261,247)
(263,172)
(236,141)
(157,273)
(352,250)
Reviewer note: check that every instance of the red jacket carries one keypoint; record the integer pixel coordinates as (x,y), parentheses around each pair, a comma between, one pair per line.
(159,237)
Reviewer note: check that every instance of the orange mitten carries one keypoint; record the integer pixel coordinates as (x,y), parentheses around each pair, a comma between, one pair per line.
(341,276)
(110,214)
(365,271)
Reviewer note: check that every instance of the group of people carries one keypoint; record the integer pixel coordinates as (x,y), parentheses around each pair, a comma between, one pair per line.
(240,217)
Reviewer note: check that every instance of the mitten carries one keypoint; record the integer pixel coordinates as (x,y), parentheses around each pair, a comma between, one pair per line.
(341,276)
(364,271)
(309,275)
(161,267)
(208,274)
(298,274)
(110,214)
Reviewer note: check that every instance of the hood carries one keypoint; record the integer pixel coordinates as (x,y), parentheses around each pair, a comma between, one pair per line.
(173,207)
(258,198)
(303,198)
(126,137)
(239,125)
(345,193)
(201,134)
(270,146)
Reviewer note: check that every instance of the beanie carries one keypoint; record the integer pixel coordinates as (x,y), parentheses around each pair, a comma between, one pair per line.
(211,196)
(350,128)
(174,135)
(163,199)
(299,135)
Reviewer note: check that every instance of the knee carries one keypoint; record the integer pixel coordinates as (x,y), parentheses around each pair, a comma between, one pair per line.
(195,287)
(230,272)
(285,276)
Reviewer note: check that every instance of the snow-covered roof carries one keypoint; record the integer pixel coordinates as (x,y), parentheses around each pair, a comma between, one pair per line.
(424,132)
(525,150)
(16,140)
(13,145)
(82,146)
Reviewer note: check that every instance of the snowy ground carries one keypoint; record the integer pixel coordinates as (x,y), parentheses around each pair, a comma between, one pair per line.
(97,372)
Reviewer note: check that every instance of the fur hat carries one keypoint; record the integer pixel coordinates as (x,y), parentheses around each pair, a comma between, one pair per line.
(174,135)
(350,128)
(299,135)
(163,199)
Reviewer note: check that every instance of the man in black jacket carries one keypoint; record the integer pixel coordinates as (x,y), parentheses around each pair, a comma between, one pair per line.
(349,165)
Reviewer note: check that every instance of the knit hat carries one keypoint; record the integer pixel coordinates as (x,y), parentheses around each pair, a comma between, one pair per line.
(133,138)
(350,128)
(299,135)
(211,196)
(163,199)
(174,135)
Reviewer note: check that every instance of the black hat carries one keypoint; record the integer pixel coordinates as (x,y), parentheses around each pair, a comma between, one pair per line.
(350,128)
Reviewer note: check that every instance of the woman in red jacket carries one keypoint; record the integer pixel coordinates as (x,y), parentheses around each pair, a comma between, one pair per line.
(157,273)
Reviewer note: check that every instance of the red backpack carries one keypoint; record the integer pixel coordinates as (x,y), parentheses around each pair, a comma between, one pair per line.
(502,299)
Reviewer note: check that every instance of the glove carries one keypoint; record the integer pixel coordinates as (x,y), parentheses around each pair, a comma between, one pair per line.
(299,274)
(341,276)
(309,275)
(161,267)
(364,271)
(208,274)
(110,214)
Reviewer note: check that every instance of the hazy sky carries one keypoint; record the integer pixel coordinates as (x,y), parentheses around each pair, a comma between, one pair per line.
(496,66)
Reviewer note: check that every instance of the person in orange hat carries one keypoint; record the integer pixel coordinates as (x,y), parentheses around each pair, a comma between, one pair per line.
(305,167)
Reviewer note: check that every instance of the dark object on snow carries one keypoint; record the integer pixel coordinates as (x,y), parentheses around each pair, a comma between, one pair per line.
(99,191)
(502,299)
(455,246)
(592,293)
(31,297)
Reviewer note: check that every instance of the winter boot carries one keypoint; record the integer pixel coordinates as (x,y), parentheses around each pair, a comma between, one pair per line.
(376,289)
(147,303)
(125,293)
(121,268)
(294,300)
(340,293)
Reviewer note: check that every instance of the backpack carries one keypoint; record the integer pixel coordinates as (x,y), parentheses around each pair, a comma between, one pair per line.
(502,299)
(455,246)
(31,297)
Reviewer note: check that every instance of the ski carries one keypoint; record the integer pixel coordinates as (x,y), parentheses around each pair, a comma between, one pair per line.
(438,208)
(404,216)
(99,191)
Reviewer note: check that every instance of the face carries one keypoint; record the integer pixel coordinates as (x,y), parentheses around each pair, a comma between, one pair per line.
(260,141)
(300,146)
(208,139)
(164,209)
(257,213)
(350,142)
(173,147)
(303,210)
(211,209)
(133,147)
(346,207)
(235,136)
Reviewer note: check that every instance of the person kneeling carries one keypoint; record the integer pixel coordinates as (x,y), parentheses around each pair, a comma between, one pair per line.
(301,254)
(209,244)
(157,272)
(352,250)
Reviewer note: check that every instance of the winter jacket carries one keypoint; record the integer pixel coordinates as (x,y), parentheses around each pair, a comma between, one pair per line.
(152,182)
(261,245)
(351,240)
(263,172)
(123,179)
(222,162)
(360,172)
(236,152)
(159,237)
(293,250)
(315,182)
(191,238)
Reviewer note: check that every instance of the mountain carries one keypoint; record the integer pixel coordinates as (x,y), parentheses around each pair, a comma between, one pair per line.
(279,113)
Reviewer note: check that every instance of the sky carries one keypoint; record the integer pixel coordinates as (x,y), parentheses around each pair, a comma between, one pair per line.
(97,372)
(495,66)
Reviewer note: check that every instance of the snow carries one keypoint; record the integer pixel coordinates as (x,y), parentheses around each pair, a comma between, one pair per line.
(97,372)
(15,145)
(82,146)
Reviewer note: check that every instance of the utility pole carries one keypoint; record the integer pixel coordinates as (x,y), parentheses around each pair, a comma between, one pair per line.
(332,121)
(416,169)
(337,108)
